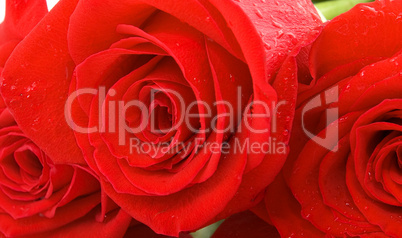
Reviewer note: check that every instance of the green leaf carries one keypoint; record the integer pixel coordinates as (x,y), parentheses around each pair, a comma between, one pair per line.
(208,231)
(333,8)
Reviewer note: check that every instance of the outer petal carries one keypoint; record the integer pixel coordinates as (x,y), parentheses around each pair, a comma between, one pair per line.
(122,12)
(38,224)
(256,177)
(375,33)
(36,82)
(284,209)
(114,225)
(190,208)
(21,18)
(280,24)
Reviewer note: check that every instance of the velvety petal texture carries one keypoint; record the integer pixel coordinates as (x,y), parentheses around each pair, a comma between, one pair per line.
(21,17)
(39,198)
(156,97)
(342,177)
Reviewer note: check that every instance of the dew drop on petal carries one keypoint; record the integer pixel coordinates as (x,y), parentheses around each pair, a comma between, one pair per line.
(267,46)
(259,14)
(285,133)
(276,24)
(231,78)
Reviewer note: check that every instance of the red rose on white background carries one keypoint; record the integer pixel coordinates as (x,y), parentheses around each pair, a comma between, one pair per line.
(87,57)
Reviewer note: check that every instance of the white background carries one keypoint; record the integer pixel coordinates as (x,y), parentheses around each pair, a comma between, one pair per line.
(50,4)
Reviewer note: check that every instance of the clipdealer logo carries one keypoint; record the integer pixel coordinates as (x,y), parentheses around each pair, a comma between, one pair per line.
(327,100)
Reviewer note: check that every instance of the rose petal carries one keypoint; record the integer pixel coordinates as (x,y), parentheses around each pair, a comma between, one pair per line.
(372,35)
(21,18)
(34,94)
(283,209)
(166,215)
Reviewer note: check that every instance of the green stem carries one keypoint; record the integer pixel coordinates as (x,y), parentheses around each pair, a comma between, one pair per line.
(333,8)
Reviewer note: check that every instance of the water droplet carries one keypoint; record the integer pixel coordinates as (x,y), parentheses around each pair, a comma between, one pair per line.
(231,78)
(366,208)
(30,88)
(368,8)
(177,44)
(280,33)
(291,35)
(394,60)
(347,204)
(267,46)
(285,133)
(259,14)
(276,24)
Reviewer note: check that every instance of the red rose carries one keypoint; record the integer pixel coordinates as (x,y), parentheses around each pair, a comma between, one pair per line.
(39,198)
(343,176)
(93,66)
